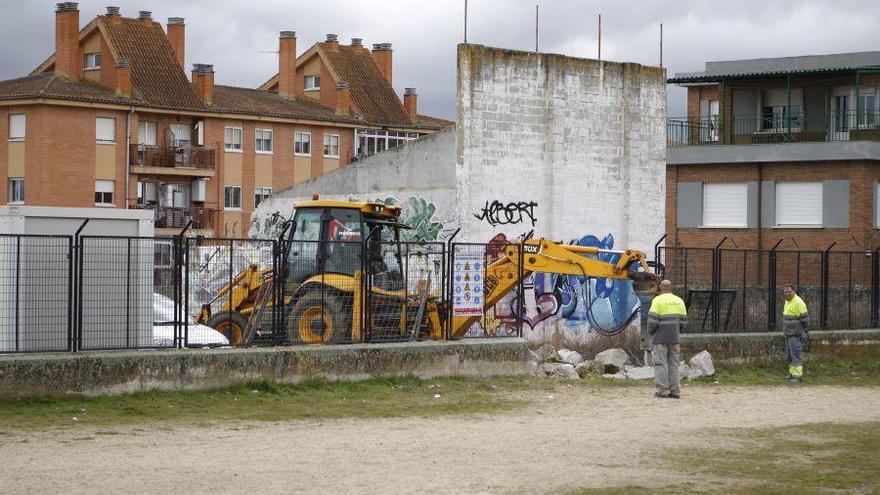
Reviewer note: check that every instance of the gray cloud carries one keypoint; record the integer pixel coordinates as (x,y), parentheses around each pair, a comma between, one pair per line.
(233,34)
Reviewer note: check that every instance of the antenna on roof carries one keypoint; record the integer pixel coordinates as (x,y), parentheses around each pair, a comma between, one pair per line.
(276,52)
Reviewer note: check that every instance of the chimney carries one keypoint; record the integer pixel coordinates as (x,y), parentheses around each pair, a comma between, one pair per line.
(332,43)
(177,37)
(343,98)
(123,78)
(68,60)
(145,16)
(287,63)
(410,104)
(112,11)
(382,55)
(203,78)
(357,43)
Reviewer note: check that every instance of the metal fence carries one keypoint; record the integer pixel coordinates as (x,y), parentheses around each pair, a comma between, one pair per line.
(740,290)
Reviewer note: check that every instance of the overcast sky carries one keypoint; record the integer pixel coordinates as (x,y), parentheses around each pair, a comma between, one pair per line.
(234,35)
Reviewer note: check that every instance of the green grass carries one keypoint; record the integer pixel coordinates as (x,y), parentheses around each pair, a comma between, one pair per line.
(263,401)
(808,459)
(849,371)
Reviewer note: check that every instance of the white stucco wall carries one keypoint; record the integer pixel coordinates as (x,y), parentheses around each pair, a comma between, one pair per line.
(579,143)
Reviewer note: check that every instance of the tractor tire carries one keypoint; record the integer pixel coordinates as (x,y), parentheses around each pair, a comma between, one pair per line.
(320,318)
(231,324)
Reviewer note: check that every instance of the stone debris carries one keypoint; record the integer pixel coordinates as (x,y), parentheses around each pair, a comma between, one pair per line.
(702,363)
(613,360)
(638,372)
(571,357)
(585,368)
(562,370)
(546,353)
(620,375)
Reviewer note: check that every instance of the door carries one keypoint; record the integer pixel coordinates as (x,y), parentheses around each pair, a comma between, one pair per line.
(302,251)
(840,123)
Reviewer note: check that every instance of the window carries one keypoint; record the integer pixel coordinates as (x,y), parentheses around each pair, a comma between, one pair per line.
(233,139)
(709,110)
(17,127)
(162,254)
(302,143)
(312,83)
(181,135)
(370,142)
(105,130)
(264,141)
(780,118)
(232,197)
(261,193)
(104,192)
(147,133)
(92,61)
(331,145)
(799,203)
(867,111)
(16,190)
(725,205)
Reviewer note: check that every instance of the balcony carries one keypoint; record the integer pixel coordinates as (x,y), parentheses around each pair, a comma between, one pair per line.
(191,160)
(178,217)
(780,127)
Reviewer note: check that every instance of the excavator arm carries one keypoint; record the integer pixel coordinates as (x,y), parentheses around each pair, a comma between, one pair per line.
(541,255)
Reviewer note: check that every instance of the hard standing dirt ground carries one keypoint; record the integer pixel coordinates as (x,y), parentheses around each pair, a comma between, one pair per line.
(579,437)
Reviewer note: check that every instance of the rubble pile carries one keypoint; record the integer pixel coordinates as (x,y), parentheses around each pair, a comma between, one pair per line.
(612,363)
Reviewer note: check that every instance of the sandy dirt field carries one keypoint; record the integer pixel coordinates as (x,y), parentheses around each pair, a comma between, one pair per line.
(577,438)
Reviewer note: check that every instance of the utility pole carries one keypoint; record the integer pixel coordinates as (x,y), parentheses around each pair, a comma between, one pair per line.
(536,28)
(465,21)
(661,44)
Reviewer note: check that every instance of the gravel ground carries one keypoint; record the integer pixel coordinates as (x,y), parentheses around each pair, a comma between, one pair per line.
(577,438)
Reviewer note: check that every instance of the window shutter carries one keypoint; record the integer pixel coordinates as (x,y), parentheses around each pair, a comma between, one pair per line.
(799,203)
(17,126)
(104,186)
(725,205)
(689,204)
(105,129)
(835,200)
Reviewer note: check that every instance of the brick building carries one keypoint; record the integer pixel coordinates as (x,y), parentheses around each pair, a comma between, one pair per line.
(770,149)
(111,119)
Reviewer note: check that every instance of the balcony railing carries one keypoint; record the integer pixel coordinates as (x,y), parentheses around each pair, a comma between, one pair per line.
(176,218)
(173,156)
(777,128)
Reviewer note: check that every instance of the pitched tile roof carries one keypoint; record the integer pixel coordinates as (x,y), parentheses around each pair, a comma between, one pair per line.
(260,102)
(435,121)
(155,71)
(48,85)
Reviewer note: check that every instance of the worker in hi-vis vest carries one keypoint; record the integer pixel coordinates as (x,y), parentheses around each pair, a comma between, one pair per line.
(795,324)
(666,319)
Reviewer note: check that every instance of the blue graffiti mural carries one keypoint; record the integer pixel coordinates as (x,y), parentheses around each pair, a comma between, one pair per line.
(580,302)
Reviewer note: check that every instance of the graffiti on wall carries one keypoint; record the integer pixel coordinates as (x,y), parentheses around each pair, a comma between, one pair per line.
(416,211)
(581,304)
(513,213)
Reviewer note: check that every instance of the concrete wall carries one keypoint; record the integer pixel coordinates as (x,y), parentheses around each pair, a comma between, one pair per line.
(581,140)
(132,371)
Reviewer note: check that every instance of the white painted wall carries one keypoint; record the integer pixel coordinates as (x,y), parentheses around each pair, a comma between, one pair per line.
(581,139)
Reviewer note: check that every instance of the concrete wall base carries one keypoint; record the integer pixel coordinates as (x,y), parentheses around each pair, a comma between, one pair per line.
(733,347)
(118,372)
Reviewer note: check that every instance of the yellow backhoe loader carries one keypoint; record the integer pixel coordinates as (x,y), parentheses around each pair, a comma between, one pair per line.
(341,256)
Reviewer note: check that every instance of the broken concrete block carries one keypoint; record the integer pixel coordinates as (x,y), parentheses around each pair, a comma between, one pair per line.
(639,372)
(561,370)
(684,371)
(702,362)
(615,376)
(570,357)
(546,353)
(613,359)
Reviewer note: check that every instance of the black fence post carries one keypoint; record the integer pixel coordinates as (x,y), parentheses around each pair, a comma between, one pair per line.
(771,287)
(826,262)
(657,248)
(875,286)
(450,277)
(78,255)
(715,294)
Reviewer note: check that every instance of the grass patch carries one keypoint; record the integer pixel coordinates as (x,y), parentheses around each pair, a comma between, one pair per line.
(264,401)
(813,459)
(808,459)
(849,371)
